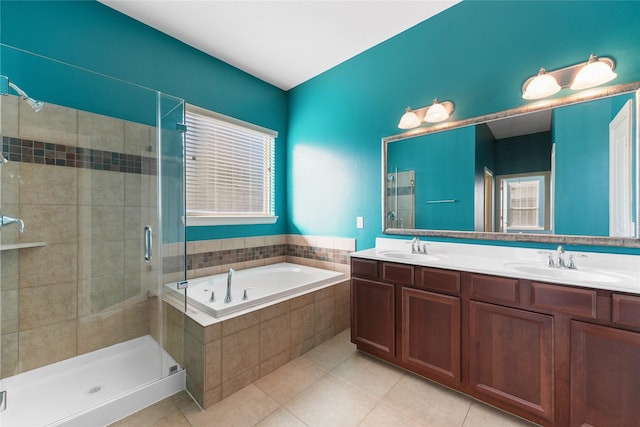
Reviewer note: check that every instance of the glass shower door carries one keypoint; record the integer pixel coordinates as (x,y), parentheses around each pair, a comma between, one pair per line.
(86,173)
(172,246)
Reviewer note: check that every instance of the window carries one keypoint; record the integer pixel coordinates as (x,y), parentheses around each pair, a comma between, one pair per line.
(229,170)
(524,202)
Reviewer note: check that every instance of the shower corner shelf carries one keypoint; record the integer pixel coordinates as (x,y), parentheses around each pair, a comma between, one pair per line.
(22,246)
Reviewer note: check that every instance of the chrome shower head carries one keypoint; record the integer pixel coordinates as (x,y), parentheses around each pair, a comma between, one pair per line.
(36,105)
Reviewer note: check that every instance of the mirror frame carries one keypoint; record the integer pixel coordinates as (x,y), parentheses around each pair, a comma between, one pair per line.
(583,96)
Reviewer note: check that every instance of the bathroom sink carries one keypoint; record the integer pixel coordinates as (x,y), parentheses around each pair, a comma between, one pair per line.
(408,256)
(579,275)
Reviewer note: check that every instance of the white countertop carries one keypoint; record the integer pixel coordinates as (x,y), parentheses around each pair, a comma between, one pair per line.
(593,270)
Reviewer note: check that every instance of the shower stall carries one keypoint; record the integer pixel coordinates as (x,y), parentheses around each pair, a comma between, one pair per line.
(92,203)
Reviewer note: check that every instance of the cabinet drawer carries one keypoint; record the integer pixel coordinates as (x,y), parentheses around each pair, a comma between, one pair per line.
(364,268)
(397,273)
(498,289)
(626,310)
(579,302)
(434,279)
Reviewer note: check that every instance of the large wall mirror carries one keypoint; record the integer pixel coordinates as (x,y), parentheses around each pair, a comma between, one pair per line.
(560,171)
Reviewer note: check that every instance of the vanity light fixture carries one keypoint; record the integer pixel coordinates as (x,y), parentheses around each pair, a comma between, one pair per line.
(594,72)
(409,120)
(434,113)
(541,86)
(438,111)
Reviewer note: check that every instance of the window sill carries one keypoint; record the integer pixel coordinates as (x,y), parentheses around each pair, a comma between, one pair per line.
(201,220)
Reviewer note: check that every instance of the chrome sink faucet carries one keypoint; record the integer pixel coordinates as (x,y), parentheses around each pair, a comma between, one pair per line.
(227,298)
(561,261)
(416,247)
(560,254)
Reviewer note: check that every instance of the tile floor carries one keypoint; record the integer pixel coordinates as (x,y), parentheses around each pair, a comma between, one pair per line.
(331,385)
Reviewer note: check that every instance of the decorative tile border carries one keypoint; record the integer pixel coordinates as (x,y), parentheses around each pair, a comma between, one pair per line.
(231,256)
(338,256)
(28,151)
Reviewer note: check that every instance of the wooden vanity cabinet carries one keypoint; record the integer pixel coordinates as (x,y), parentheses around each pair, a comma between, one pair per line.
(560,356)
(373,305)
(605,379)
(511,357)
(431,325)
(373,317)
(510,347)
(431,334)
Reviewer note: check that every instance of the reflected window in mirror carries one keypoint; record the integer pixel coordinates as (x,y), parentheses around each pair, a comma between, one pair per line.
(524,203)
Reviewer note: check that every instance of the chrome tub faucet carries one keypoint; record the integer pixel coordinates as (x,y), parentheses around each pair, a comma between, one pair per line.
(227,298)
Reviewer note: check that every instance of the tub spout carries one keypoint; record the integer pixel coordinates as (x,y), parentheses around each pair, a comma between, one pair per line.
(6,220)
(227,298)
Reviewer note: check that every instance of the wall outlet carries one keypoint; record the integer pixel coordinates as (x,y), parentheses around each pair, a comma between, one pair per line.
(359,222)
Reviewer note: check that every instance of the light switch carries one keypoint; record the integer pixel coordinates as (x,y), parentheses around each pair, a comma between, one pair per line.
(360,222)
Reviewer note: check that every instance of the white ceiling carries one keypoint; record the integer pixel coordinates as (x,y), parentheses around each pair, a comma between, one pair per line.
(521,125)
(284,43)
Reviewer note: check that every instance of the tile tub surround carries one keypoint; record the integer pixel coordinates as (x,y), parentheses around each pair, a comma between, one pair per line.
(221,357)
(80,182)
(227,355)
(209,257)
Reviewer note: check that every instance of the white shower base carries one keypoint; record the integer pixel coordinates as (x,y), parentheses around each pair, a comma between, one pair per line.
(94,389)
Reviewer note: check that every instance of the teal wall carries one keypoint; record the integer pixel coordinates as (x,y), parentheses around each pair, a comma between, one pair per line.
(485,157)
(94,37)
(444,165)
(582,166)
(477,54)
(524,154)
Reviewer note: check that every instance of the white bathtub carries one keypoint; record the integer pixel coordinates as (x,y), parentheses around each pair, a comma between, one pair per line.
(263,284)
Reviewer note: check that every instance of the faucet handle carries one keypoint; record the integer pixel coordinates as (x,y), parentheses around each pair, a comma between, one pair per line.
(572,264)
(549,261)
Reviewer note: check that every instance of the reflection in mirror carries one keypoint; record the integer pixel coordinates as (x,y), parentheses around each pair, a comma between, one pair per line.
(563,171)
(401,199)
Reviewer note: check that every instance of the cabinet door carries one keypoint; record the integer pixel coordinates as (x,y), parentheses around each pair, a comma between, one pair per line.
(511,357)
(605,379)
(372,316)
(431,333)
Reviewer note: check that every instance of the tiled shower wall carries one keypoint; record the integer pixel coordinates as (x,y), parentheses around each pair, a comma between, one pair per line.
(84,185)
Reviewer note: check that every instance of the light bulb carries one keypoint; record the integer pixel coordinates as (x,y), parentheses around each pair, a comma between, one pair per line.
(595,73)
(436,113)
(409,120)
(541,86)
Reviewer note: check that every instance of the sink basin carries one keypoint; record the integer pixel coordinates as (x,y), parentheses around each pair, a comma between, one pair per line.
(408,256)
(581,275)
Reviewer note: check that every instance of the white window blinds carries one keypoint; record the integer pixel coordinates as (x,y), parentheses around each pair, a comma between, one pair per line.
(229,166)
